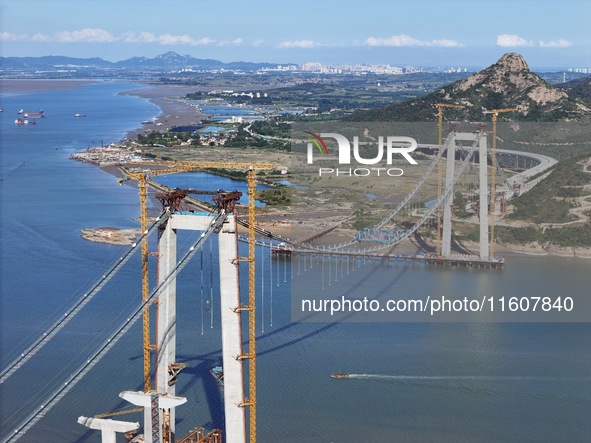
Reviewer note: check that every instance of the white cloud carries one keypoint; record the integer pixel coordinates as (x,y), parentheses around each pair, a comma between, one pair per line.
(40,38)
(446,43)
(403,40)
(236,42)
(297,44)
(164,39)
(170,39)
(561,43)
(97,35)
(138,37)
(512,41)
(395,40)
(86,35)
(10,37)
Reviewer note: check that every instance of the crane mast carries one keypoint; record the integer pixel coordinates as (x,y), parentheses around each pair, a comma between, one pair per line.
(493,187)
(142,177)
(440,107)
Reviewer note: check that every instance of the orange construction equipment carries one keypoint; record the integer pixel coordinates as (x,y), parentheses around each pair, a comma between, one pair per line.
(440,107)
(173,168)
(493,186)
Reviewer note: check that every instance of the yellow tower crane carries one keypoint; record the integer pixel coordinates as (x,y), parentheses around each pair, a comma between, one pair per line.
(495,113)
(173,168)
(440,107)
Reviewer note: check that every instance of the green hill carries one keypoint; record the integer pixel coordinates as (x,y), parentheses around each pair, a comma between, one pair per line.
(579,89)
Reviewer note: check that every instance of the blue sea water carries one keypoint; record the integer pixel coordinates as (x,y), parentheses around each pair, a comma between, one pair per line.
(222,111)
(417,382)
(212,130)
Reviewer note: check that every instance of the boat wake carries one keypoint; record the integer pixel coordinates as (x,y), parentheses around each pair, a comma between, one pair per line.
(515,386)
(13,170)
(464,377)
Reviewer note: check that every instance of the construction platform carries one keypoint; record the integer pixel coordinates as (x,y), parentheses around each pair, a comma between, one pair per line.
(460,260)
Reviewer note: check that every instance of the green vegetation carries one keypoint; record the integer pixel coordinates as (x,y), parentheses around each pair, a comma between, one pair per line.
(570,236)
(570,192)
(238,139)
(336,94)
(157,138)
(579,88)
(271,128)
(364,218)
(245,139)
(539,174)
(546,210)
(567,237)
(547,201)
(461,202)
(280,196)
(240,175)
(518,236)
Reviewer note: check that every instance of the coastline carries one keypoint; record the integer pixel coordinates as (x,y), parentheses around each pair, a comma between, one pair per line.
(167,98)
(174,112)
(111,236)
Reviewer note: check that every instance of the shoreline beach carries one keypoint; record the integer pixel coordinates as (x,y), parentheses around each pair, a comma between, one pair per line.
(173,112)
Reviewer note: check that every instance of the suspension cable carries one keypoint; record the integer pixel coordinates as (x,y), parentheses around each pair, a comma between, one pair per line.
(100,353)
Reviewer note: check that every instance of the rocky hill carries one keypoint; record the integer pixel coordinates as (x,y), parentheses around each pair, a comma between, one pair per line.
(507,84)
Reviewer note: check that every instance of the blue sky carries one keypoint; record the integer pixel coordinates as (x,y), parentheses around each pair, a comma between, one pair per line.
(473,33)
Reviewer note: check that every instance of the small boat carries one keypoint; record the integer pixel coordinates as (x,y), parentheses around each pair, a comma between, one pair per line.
(32,114)
(339,375)
(218,374)
(79,115)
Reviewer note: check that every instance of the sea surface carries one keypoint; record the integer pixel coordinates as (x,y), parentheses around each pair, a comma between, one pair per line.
(415,382)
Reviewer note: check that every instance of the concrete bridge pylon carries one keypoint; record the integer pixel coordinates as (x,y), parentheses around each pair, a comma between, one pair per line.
(483,192)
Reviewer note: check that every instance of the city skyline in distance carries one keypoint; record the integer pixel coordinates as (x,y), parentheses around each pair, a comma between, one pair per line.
(463,33)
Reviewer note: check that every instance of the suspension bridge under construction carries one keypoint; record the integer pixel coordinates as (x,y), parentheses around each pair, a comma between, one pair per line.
(464,151)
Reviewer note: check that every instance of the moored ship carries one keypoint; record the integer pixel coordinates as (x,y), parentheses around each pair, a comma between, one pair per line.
(32,114)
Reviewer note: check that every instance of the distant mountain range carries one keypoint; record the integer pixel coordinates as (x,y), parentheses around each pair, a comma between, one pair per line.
(167,61)
(507,84)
